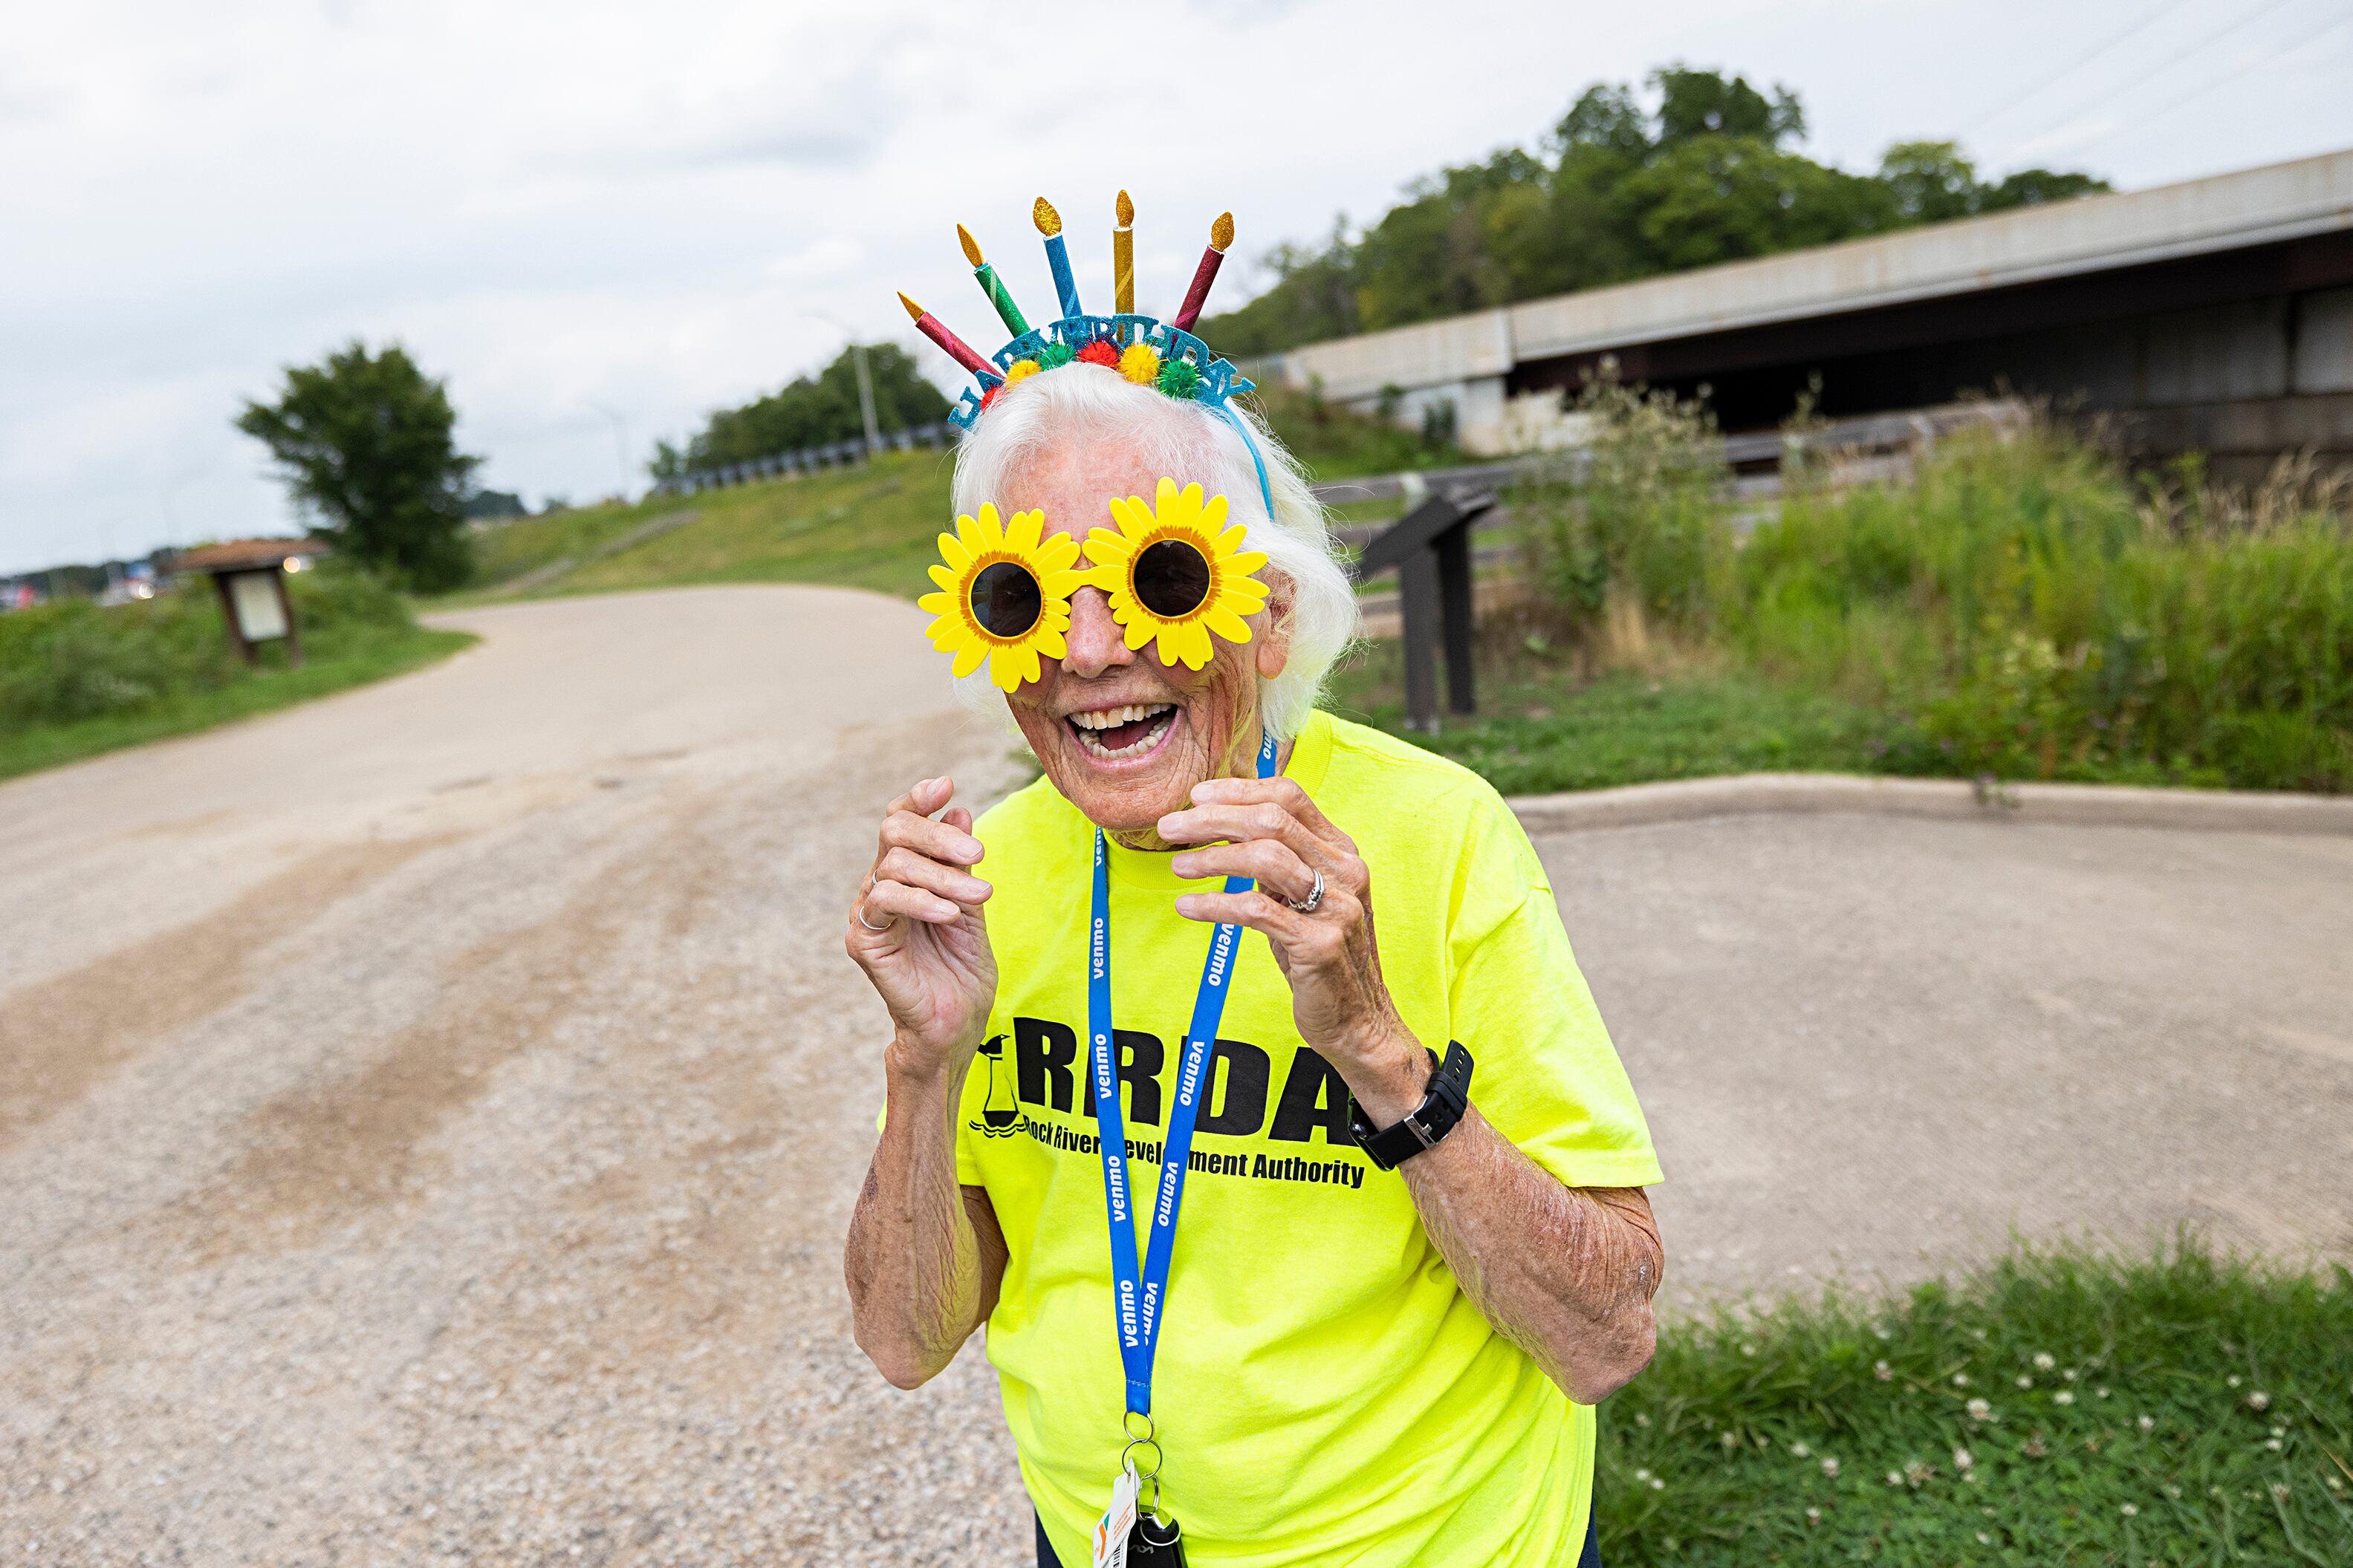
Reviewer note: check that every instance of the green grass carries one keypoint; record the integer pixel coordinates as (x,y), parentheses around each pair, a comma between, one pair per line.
(2178,1408)
(1542,727)
(868,527)
(871,527)
(1542,730)
(2037,610)
(357,661)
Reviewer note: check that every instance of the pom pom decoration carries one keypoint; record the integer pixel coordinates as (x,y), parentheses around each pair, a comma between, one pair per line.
(1054,356)
(1019,371)
(1178,378)
(1140,363)
(1101,351)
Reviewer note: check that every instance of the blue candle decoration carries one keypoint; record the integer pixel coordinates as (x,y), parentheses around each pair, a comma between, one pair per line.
(1057,256)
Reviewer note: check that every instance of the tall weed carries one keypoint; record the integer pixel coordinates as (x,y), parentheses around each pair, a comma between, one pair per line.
(1631,533)
(2022,607)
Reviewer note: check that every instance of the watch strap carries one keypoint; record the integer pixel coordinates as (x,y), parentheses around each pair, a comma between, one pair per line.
(1441,1109)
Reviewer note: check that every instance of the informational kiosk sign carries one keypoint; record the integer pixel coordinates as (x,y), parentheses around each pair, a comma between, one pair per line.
(249,574)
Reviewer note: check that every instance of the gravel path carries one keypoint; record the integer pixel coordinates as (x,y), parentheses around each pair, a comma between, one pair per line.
(467,1184)
(429,1117)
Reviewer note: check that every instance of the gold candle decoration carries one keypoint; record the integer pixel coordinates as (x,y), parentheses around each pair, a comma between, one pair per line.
(1123,257)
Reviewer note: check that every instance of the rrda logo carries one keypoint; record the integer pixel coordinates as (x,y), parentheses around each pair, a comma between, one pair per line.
(1048,1072)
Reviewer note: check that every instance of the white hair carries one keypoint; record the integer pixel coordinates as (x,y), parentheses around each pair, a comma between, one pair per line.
(1190,442)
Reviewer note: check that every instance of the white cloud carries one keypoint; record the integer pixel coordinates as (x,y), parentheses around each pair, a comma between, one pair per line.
(592,205)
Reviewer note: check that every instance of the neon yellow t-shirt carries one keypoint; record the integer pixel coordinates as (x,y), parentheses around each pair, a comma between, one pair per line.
(1325,1392)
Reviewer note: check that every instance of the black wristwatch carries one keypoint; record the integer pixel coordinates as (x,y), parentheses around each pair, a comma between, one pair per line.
(1425,1124)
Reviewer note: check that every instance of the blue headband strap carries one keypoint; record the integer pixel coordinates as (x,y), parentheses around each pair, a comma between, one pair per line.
(1265,491)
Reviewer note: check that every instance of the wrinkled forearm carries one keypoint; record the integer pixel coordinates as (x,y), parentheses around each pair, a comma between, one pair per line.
(920,1276)
(1566,1273)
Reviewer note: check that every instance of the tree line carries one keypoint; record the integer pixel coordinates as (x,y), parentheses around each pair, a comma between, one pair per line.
(810,411)
(1613,192)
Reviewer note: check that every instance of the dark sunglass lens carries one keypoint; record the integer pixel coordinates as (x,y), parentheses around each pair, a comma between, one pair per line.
(1172,578)
(1004,599)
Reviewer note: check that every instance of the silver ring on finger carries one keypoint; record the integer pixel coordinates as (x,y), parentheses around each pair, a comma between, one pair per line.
(860,912)
(1312,901)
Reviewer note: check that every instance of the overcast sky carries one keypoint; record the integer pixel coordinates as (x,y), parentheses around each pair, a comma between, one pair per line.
(585,214)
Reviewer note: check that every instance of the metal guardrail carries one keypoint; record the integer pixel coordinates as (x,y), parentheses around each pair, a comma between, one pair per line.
(1764,449)
(1875,433)
(808,460)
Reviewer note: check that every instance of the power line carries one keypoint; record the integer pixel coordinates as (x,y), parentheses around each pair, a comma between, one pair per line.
(2142,78)
(2086,57)
(2328,26)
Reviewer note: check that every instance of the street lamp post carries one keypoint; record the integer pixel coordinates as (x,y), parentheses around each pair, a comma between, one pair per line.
(620,443)
(865,379)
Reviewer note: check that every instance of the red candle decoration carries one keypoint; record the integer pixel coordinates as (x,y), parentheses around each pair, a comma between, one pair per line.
(1222,237)
(963,352)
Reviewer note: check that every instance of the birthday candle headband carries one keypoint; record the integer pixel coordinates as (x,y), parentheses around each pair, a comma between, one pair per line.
(1144,349)
(1174,569)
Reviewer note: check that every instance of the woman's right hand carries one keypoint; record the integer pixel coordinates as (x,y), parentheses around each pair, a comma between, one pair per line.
(931,959)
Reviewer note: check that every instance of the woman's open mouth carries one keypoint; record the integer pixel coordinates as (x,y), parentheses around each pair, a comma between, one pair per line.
(1116,734)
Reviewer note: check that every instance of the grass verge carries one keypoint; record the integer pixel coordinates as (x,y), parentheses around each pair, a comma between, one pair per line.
(1543,728)
(2057,1408)
(1540,733)
(393,651)
(871,527)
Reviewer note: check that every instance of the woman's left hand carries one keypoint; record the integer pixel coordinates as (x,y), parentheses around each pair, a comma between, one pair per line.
(1273,833)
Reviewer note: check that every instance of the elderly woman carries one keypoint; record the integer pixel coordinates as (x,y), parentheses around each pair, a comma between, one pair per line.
(1377,1335)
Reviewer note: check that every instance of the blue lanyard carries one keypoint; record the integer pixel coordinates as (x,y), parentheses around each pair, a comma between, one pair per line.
(1138,1295)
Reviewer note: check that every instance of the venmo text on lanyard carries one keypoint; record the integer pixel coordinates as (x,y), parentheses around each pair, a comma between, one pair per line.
(1140,1294)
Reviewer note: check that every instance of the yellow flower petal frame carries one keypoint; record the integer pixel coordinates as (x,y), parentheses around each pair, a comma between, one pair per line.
(1181,518)
(977,544)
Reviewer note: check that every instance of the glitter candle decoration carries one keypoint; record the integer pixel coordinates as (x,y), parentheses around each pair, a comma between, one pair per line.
(1221,240)
(1057,256)
(991,284)
(963,352)
(1123,257)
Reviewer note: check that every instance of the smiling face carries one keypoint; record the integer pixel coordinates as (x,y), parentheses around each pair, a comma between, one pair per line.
(1124,736)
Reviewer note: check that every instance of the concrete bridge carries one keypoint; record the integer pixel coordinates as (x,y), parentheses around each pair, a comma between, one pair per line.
(2214,315)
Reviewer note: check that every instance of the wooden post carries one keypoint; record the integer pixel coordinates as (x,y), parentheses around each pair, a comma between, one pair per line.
(1419,602)
(1452,549)
(294,639)
(1430,548)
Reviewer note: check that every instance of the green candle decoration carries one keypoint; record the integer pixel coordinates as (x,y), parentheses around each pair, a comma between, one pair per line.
(991,284)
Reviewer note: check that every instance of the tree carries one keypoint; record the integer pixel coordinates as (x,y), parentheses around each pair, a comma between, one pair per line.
(1614,191)
(1931,181)
(364,443)
(1694,103)
(813,410)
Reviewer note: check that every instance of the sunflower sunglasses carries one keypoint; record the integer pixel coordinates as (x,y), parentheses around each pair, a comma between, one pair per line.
(1174,570)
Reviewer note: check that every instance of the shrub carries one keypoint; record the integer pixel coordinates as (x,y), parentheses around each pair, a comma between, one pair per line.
(1632,529)
(70,660)
(2022,607)
(2049,620)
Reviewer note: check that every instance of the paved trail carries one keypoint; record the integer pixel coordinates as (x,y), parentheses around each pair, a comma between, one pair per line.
(428,1117)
